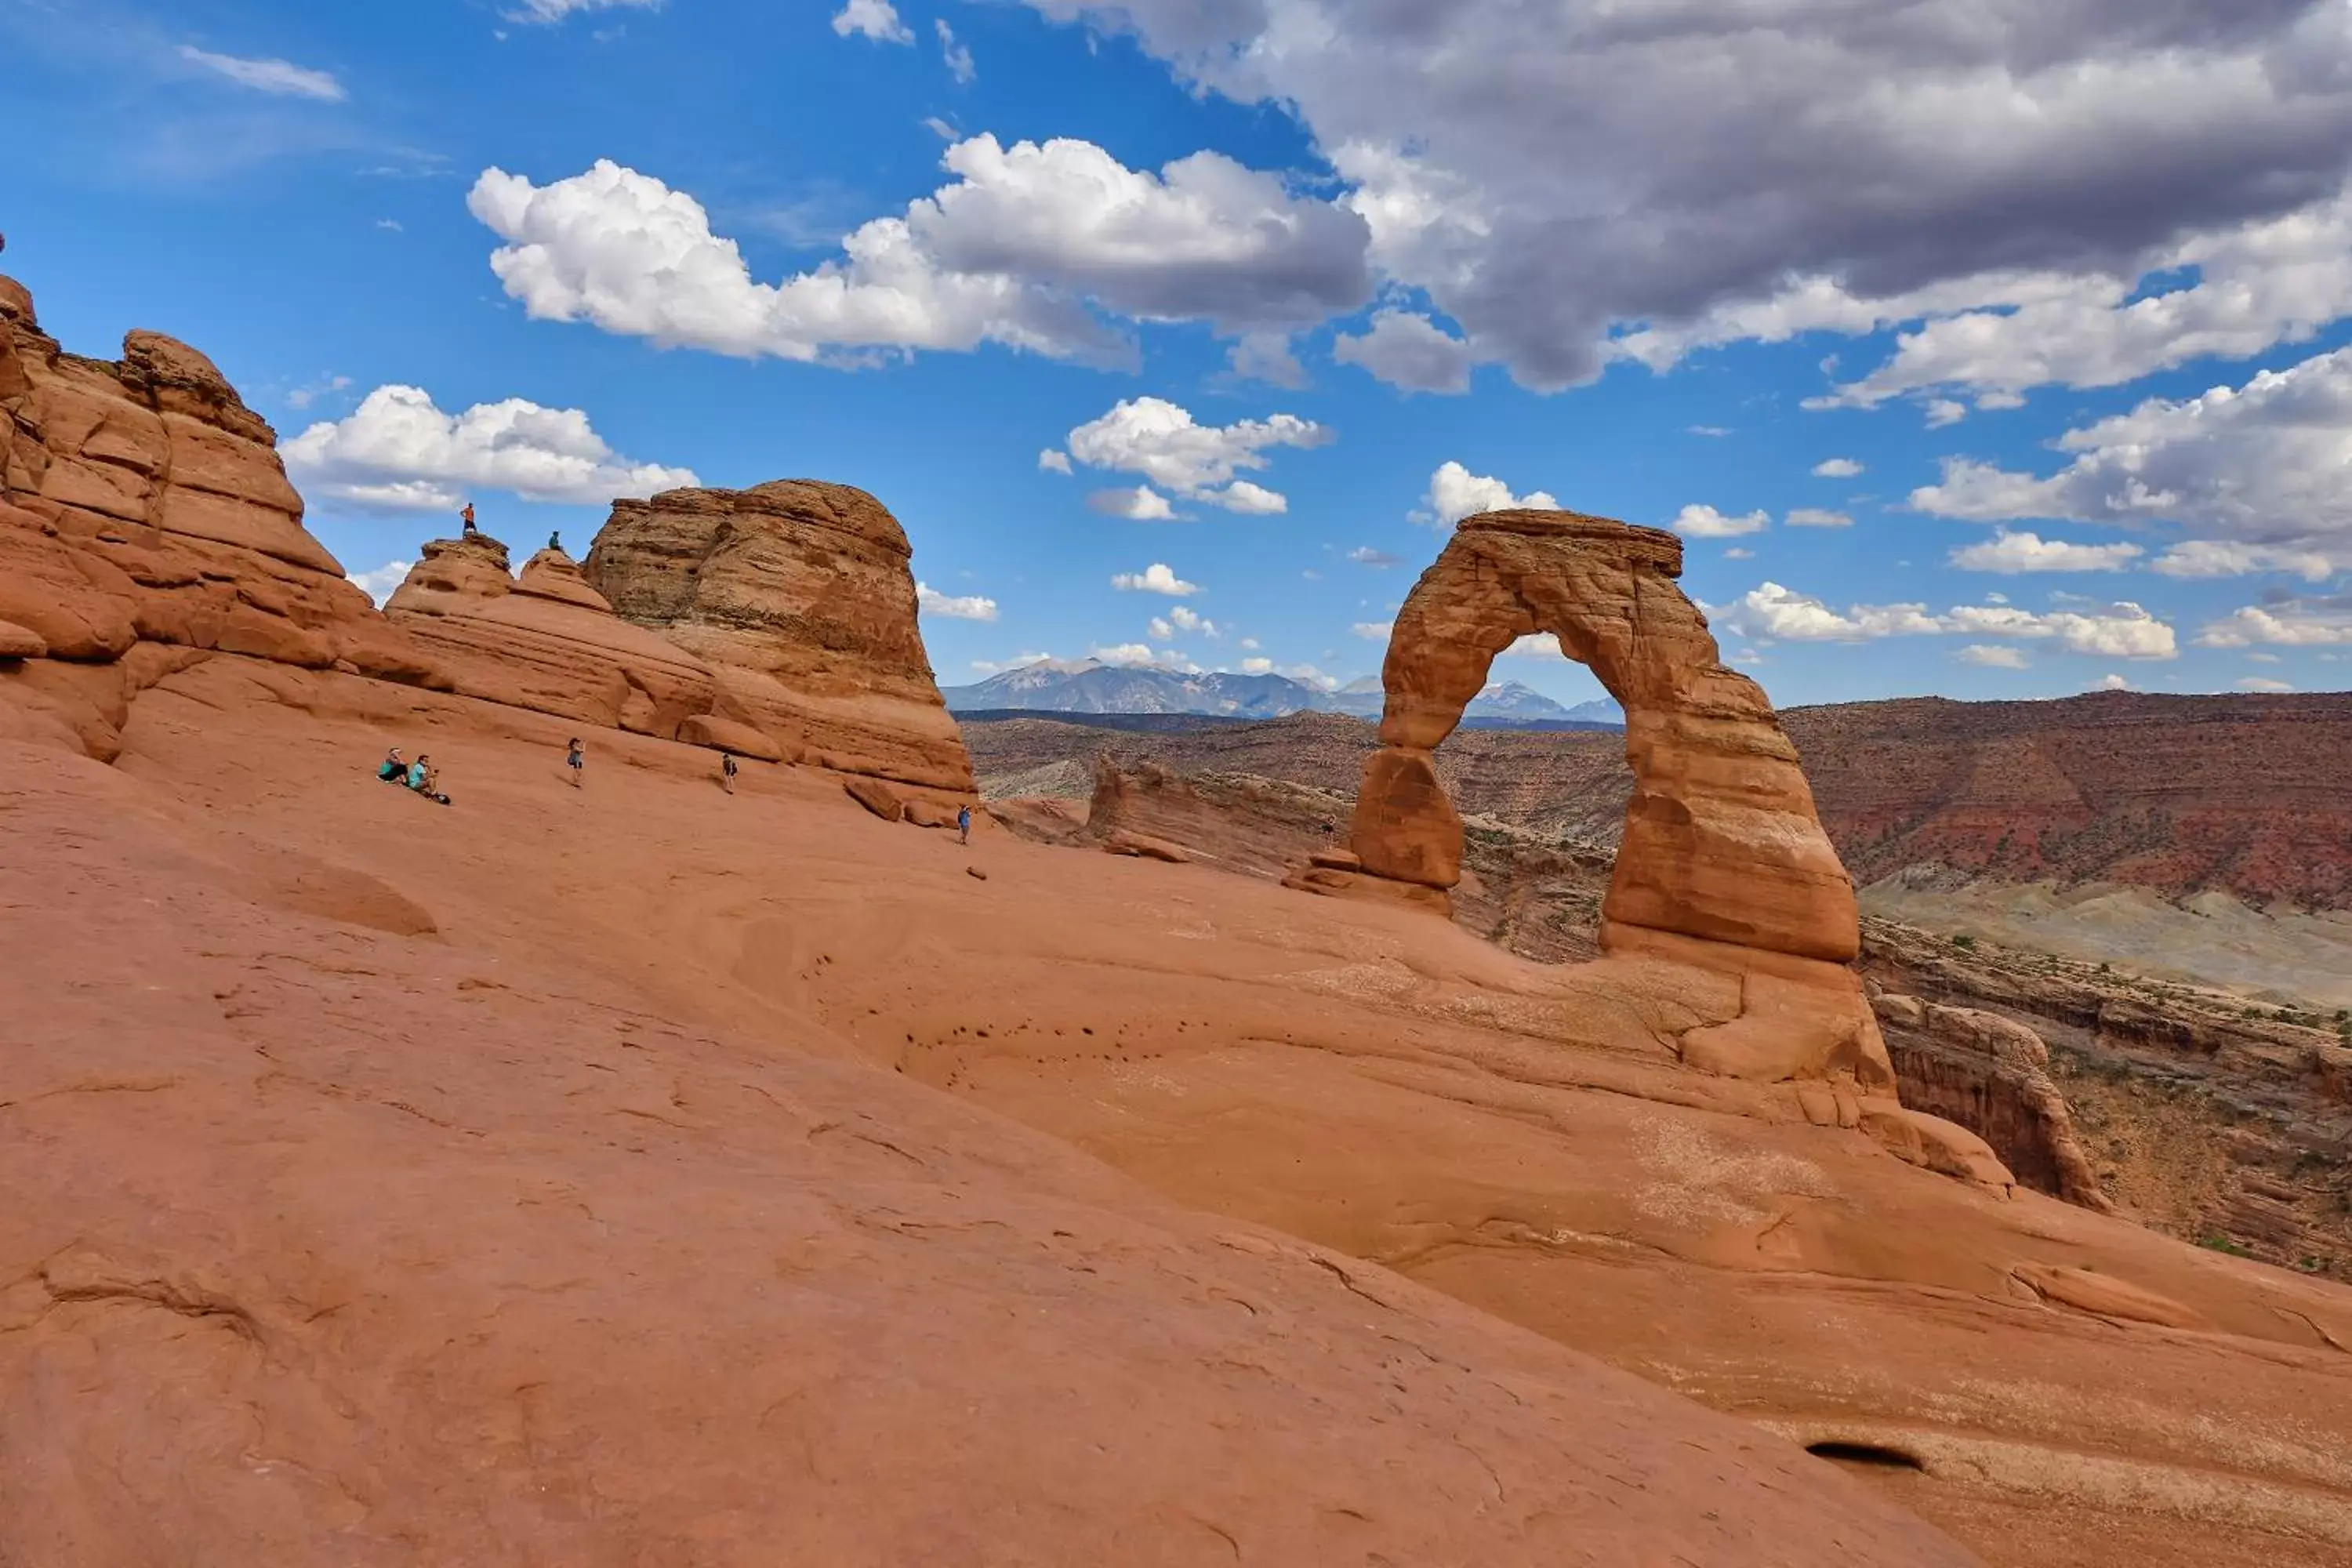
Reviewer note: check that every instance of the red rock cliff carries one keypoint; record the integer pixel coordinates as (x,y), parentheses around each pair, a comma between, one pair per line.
(799,597)
(145,520)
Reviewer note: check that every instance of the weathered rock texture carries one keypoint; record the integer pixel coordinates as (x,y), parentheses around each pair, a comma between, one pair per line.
(547,641)
(798,596)
(1721,841)
(1722,866)
(145,520)
(1990,1075)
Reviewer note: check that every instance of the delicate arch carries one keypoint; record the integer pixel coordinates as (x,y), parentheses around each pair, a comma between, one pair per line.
(1721,838)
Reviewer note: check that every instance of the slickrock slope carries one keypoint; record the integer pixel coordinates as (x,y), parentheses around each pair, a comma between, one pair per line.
(1534,897)
(145,520)
(798,596)
(1520,1136)
(333,1241)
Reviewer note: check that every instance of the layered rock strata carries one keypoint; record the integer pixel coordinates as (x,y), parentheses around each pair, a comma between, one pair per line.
(798,597)
(547,641)
(1990,1075)
(1721,840)
(1723,867)
(146,520)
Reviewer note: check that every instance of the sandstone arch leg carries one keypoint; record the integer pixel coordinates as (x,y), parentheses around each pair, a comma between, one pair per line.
(1724,865)
(1721,840)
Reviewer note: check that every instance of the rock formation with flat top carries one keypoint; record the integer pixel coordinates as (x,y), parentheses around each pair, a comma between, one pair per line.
(798,596)
(146,520)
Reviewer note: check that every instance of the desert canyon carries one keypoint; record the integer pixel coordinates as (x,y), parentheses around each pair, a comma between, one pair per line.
(637,1173)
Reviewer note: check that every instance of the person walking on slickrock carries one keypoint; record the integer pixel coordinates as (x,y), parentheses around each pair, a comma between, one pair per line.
(575,758)
(726,772)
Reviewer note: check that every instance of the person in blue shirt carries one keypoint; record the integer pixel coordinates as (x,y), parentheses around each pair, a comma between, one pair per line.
(393,769)
(963,825)
(425,781)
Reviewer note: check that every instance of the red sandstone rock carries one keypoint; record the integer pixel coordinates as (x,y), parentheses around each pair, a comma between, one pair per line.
(1721,841)
(1125,841)
(876,796)
(798,596)
(1989,1074)
(143,503)
(726,735)
(546,641)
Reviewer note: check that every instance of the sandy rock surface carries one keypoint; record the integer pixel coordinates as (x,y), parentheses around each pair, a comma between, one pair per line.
(342,1237)
(1521,1137)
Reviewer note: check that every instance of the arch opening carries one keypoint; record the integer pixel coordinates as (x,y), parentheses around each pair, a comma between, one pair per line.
(1721,842)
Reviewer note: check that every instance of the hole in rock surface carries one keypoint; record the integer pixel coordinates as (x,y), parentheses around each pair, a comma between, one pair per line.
(1870,1454)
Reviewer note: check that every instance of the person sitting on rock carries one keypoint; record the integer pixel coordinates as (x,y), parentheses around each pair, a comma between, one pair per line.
(425,781)
(575,757)
(392,770)
(555,541)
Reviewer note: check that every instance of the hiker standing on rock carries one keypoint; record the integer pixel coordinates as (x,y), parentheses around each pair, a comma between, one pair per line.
(467,517)
(963,824)
(575,757)
(726,772)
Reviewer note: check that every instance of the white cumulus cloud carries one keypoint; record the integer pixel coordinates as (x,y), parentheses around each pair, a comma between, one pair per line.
(378,583)
(2261,683)
(1818,517)
(1993,655)
(1157,578)
(1836,469)
(1772,613)
(2285,622)
(1454,493)
(1053,460)
(1138,503)
(399,452)
(963,607)
(2268,464)
(875,19)
(550,11)
(2020,552)
(1704,522)
(1162,441)
(1021,249)
(1771,167)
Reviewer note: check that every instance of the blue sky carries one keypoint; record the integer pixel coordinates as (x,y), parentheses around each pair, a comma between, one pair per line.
(1987,348)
